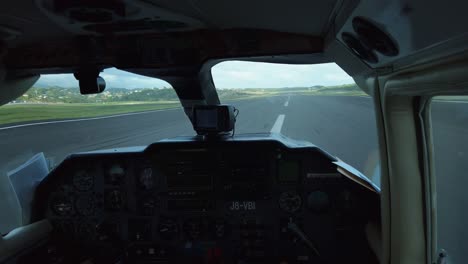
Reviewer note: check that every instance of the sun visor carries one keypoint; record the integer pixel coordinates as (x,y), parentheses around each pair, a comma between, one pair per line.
(12,88)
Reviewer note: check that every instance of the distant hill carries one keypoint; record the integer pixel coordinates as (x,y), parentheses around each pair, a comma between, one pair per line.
(72,95)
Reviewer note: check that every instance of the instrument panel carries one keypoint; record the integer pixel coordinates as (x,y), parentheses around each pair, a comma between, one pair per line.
(244,200)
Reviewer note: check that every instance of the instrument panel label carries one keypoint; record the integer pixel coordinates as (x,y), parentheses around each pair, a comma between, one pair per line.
(242,206)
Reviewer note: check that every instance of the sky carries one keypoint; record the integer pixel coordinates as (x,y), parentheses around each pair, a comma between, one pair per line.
(230,74)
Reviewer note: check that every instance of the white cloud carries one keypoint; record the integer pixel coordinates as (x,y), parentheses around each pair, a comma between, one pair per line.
(242,75)
(114,79)
(65,80)
(338,78)
(270,75)
(230,74)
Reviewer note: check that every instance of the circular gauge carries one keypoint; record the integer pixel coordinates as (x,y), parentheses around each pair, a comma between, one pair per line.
(61,205)
(168,228)
(64,227)
(192,229)
(148,205)
(108,230)
(146,179)
(290,202)
(318,201)
(115,174)
(139,229)
(220,228)
(82,180)
(346,201)
(86,230)
(84,205)
(113,200)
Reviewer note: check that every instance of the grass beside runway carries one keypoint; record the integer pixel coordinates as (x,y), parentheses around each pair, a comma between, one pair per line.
(21,113)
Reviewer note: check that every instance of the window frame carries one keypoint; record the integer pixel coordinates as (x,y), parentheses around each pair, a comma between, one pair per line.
(430,191)
(445,75)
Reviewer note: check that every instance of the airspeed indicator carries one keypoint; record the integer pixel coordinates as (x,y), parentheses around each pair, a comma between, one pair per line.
(290,202)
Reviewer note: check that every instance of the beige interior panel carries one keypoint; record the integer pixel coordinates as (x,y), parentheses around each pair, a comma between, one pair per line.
(407,232)
(409,191)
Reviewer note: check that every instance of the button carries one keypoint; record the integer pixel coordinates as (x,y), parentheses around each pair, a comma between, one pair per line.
(151,251)
(217,252)
(214,255)
(244,233)
(209,254)
(258,243)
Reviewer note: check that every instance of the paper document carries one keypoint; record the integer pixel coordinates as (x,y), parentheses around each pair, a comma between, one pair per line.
(25,179)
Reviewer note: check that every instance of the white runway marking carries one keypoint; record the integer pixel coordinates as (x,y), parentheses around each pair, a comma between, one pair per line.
(85,119)
(287,102)
(278,124)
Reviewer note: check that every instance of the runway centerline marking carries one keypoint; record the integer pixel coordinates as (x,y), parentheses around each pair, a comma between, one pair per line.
(278,124)
(85,119)
(287,102)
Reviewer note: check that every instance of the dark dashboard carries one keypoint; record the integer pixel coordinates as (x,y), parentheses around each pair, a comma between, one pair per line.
(256,199)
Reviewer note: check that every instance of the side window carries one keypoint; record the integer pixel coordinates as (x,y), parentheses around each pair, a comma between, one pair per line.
(450,144)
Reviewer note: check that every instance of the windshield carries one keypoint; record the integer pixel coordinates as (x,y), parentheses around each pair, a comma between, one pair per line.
(316,103)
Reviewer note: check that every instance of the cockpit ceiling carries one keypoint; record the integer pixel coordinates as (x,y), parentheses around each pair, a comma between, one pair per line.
(48,36)
(300,16)
(26,21)
(159,51)
(52,36)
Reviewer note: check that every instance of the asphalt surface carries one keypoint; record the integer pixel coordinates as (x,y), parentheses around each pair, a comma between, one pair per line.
(343,126)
